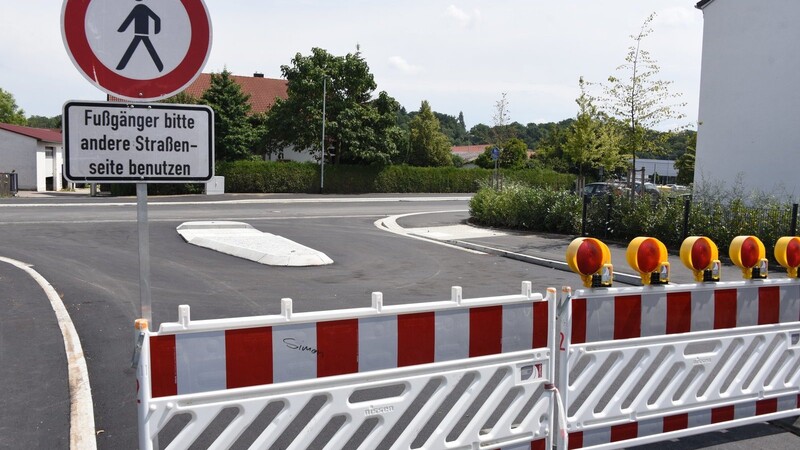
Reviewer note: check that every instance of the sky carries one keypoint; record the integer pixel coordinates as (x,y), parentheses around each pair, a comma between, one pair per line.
(460,56)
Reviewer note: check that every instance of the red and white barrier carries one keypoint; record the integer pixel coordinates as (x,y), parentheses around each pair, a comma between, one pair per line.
(640,365)
(200,368)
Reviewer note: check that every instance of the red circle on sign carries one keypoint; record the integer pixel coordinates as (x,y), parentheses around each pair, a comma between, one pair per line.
(749,252)
(589,257)
(701,254)
(648,256)
(73,23)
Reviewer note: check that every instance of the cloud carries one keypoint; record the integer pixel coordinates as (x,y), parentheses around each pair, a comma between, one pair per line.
(464,19)
(399,63)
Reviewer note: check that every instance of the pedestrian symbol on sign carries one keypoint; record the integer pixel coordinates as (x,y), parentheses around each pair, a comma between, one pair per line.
(140,16)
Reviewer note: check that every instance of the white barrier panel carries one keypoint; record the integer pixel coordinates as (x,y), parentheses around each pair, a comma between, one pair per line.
(460,374)
(641,365)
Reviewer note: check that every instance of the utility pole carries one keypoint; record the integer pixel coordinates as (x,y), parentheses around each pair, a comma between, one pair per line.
(322,144)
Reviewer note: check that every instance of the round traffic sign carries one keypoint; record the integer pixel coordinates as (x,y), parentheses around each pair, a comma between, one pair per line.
(137,49)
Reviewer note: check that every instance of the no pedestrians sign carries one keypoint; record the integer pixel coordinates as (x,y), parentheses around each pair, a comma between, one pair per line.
(137,143)
(137,49)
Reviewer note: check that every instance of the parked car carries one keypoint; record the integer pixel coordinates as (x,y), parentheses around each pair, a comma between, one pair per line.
(649,188)
(598,189)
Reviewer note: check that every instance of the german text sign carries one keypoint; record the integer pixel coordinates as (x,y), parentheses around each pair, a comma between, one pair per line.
(138,143)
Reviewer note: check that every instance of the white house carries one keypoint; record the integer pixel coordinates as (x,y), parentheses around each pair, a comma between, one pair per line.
(750,96)
(35,154)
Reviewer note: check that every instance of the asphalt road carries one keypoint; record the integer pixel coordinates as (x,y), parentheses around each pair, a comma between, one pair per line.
(88,250)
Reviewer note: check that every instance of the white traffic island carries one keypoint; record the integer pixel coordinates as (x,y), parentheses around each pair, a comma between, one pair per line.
(242,240)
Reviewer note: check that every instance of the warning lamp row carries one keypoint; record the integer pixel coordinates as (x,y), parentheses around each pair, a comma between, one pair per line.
(591,259)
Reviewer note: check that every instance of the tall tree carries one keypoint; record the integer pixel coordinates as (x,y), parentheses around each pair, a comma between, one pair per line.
(45,122)
(685,163)
(501,119)
(351,113)
(638,98)
(429,147)
(233,133)
(591,141)
(9,111)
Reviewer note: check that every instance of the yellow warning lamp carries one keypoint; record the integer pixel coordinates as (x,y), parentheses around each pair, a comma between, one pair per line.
(787,252)
(748,253)
(701,255)
(648,256)
(591,259)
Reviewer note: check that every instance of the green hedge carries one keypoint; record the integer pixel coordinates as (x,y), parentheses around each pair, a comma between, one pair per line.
(294,177)
(550,210)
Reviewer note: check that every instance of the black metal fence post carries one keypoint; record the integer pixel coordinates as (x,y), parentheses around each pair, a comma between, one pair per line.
(687,206)
(609,209)
(583,216)
(793,228)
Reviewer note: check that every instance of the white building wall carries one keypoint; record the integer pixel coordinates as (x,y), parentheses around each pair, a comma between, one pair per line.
(750,95)
(18,153)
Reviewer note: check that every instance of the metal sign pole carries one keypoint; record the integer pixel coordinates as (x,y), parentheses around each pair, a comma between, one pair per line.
(145,298)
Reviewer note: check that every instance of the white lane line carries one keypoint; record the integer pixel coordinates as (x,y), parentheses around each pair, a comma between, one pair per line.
(254,201)
(80,393)
(390,224)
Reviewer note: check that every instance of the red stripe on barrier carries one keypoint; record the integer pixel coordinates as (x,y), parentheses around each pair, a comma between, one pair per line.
(485,331)
(337,343)
(575,440)
(679,312)
(676,422)
(538,445)
(624,432)
(163,368)
(416,337)
(725,309)
(248,357)
(767,406)
(722,414)
(769,305)
(627,317)
(540,325)
(578,321)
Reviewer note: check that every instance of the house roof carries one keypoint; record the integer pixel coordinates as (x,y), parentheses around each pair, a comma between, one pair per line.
(468,152)
(41,134)
(262,91)
(702,4)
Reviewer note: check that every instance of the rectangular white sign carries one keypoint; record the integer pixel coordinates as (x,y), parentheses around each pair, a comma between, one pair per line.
(108,142)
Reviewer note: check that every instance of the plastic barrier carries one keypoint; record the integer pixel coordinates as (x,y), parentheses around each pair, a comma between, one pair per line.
(454,374)
(642,365)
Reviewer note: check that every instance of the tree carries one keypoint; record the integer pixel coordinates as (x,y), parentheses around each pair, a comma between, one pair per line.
(429,147)
(362,130)
(513,153)
(638,98)
(501,118)
(591,141)
(685,163)
(9,111)
(45,122)
(233,133)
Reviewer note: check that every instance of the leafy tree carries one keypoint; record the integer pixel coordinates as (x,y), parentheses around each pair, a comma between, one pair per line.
(361,129)
(182,98)
(513,154)
(591,141)
(481,134)
(234,135)
(638,98)
(429,146)
(453,128)
(45,122)
(685,163)
(9,111)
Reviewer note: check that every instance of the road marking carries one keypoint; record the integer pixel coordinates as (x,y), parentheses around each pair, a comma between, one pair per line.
(390,224)
(183,219)
(81,426)
(255,201)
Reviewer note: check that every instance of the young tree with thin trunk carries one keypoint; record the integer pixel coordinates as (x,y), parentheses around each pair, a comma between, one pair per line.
(638,98)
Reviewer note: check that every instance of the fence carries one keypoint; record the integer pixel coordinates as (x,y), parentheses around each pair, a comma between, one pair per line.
(620,218)
(9,184)
(632,366)
(454,374)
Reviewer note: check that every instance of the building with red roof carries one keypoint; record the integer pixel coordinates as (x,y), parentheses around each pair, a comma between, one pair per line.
(35,154)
